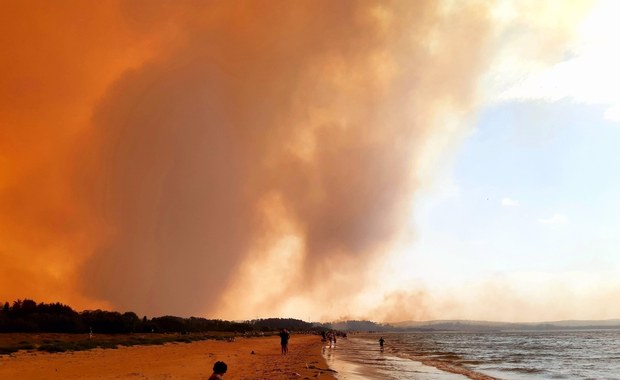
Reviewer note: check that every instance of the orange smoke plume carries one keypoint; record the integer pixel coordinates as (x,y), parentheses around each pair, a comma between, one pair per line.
(152,152)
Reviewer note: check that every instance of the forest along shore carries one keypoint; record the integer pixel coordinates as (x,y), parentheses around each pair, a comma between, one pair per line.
(247,358)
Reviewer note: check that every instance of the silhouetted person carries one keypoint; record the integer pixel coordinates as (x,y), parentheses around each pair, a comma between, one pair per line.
(219,369)
(381,341)
(284,337)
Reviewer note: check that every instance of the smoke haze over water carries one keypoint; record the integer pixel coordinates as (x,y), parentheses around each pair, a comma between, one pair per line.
(221,158)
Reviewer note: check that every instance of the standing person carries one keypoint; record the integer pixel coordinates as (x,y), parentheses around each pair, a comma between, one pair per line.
(219,369)
(284,337)
(381,341)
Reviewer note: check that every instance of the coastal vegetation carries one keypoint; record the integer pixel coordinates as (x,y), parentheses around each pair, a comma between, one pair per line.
(55,327)
(29,316)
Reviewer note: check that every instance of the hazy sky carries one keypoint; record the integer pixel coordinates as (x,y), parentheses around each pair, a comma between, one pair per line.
(312,159)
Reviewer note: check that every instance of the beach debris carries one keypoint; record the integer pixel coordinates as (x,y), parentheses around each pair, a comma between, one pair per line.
(252,353)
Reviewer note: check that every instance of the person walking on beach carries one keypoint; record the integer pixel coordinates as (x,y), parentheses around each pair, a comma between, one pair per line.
(219,369)
(284,337)
(381,341)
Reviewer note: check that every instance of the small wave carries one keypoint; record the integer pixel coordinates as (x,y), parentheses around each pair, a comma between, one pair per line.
(448,357)
(523,370)
(560,376)
(457,369)
(471,362)
(439,354)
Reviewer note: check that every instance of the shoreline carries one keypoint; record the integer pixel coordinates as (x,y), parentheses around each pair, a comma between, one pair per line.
(247,358)
(353,362)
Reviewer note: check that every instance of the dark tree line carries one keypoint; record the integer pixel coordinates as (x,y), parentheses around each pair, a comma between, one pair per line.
(28,316)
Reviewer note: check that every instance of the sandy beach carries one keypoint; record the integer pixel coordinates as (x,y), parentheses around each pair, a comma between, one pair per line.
(176,361)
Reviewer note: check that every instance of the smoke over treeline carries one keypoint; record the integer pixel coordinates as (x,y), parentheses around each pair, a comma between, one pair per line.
(237,134)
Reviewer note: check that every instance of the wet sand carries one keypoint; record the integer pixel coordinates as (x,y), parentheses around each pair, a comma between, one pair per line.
(177,361)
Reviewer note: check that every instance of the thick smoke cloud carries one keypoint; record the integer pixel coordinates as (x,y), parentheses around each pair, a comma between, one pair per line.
(322,106)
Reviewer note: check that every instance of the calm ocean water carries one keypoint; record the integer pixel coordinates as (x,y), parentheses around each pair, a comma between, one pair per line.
(584,354)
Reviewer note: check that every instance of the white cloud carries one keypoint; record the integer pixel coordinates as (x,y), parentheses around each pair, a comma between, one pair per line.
(590,76)
(508,202)
(590,79)
(613,113)
(556,219)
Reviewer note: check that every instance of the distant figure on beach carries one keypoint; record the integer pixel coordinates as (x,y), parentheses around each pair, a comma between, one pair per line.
(219,369)
(330,337)
(284,337)
(381,341)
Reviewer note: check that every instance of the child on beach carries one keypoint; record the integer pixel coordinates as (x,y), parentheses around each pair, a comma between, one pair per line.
(219,369)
